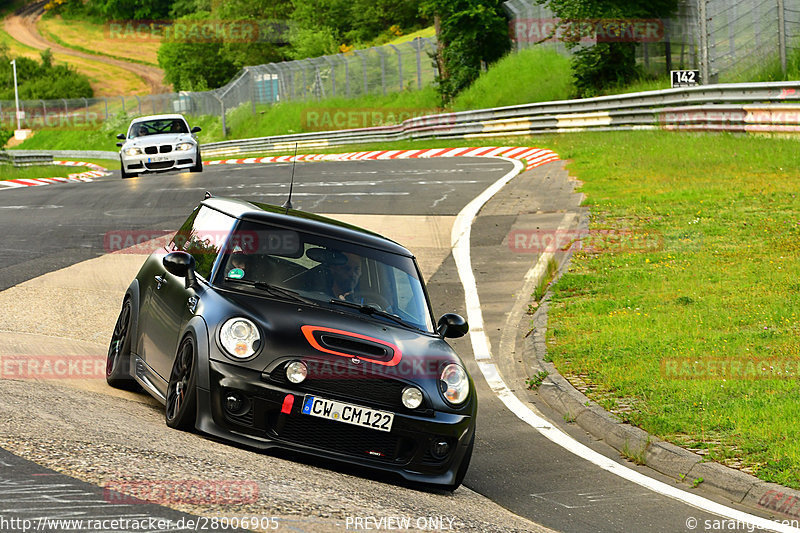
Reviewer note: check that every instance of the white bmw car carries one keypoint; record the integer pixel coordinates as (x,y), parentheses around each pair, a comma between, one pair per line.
(159,143)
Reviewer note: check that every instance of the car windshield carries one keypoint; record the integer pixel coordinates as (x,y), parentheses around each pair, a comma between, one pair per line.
(158,126)
(329,272)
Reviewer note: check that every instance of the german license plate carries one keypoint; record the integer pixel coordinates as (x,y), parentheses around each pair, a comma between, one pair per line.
(347,413)
(158,158)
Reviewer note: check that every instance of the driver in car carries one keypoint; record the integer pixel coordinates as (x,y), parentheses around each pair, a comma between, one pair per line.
(344,278)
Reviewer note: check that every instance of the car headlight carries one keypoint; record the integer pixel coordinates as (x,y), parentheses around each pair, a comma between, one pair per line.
(133,151)
(454,384)
(181,147)
(239,337)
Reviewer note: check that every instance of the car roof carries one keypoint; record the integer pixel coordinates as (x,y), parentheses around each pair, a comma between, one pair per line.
(158,117)
(303,221)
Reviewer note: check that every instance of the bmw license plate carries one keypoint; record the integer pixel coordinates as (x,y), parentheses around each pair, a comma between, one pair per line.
(347,413)
(158,158)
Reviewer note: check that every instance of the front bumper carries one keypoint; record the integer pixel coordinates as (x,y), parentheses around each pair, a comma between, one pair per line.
(405,450)
(162,162)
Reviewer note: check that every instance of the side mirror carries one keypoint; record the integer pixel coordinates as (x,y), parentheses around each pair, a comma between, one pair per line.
(119,144)
(196,129)
(452,326)
(182,265)
(121,136)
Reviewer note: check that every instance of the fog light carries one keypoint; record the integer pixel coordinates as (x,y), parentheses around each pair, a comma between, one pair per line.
(296,371)
(440,449)
(412,397)
(235,404)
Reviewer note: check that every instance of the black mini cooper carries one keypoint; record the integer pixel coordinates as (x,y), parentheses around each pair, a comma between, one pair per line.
(272,327)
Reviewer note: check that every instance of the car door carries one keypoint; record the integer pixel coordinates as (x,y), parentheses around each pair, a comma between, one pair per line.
(171,303)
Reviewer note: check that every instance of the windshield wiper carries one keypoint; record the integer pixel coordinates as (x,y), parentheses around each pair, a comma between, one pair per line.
(275,290)
(281,291)
(372,310)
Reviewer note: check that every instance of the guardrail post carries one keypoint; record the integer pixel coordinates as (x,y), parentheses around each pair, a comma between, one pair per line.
(106,102)
(44,111)
(138,101)
(122,99)
(782,34)
(86,109)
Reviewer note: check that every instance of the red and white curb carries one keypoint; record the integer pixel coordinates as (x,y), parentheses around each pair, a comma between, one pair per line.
(533,157)
(96,171)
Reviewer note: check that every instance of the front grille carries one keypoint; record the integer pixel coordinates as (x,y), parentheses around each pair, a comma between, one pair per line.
(343,438)
(165,148)
(151,149)
(158,165)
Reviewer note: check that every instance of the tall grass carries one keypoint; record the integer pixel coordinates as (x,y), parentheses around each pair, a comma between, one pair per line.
(531,75)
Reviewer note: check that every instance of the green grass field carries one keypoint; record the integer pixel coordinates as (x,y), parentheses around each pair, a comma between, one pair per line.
(691,334)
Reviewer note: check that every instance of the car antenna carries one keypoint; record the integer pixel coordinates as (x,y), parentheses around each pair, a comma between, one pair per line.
(288,203)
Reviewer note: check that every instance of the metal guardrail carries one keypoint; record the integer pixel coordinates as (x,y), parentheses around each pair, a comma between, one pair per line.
(83,154)
(26,160)
(757,107)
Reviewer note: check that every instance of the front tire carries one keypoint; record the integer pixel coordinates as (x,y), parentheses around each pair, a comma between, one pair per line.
(125,175)
(181,408)
(119,351)
(198,167)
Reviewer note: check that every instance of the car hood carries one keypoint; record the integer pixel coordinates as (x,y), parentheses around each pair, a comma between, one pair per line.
(164,138)
(336,337)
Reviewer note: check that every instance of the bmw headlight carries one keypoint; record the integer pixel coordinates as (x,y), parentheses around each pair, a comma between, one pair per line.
(454,384)
(182,147)
(133,151)
(239,337)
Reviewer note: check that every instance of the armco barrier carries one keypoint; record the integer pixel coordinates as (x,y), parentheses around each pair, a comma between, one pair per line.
(737,107)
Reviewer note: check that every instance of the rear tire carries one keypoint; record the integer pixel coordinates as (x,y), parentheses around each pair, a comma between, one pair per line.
(119,351)
(181,408)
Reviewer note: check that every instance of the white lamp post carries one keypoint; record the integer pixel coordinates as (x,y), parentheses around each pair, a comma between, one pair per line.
(19,133)
(16,92)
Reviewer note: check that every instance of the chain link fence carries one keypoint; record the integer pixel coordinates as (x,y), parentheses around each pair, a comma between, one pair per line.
(373,71)
(725,39)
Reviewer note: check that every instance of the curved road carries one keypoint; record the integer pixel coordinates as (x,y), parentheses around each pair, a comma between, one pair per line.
(23,29)
(52,296)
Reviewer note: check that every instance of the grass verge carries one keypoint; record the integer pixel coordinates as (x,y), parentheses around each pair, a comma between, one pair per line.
(10,172)
(693,336)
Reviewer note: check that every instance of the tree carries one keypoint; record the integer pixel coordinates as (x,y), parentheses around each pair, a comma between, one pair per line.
(192,64)
(470,34)
(606,64)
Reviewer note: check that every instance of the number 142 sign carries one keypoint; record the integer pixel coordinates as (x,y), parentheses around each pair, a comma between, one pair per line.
(685,78)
